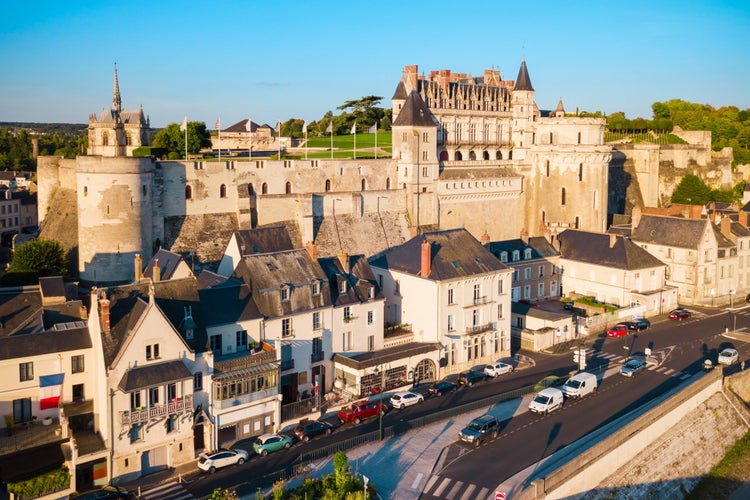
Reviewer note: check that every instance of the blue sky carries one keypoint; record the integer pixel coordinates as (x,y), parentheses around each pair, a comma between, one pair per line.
(272,61)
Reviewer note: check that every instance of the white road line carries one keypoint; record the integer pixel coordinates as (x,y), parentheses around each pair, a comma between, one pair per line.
(454,490)
(441,487)
(669,372)
(430,483)
(468,492)
(415,484)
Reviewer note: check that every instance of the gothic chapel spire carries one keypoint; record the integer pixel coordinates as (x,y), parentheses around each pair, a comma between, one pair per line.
(523,82)
(116,101)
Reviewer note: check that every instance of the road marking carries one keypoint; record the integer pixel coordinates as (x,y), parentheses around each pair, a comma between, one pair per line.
(170,490)
(467,493)
(685,376)
(431,483)
(441,487)
(484,493)
(415,484)
(669,372)
(454,490)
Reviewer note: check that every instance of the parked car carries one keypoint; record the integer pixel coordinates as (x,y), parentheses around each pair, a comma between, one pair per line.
(547,400)
(549,381)
(405,398)
(363,410)
(568,306)
(268,443)
(580,385)
(638,324)
(480,429)
(729,356)
(632,367)
(680,314)
(441,387)
(619,330)
(308,429)
(497,369)
(209,462)
(104,493)
(471,377)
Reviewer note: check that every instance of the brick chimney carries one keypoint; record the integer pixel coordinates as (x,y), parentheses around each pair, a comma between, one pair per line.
(156,271)
(426,259)
(726,226)
(635,217)
(410,77)
(104,312)
(525,236)
(485,240)
(344,259)
(138,264)
(743,217)
(312,249)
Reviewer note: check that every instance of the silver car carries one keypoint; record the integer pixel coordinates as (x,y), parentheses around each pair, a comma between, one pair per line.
(633,367)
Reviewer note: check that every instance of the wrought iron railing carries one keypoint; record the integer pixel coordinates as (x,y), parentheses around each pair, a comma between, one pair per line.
(137,416)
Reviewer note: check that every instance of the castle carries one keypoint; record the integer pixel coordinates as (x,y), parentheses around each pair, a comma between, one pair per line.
(472,152)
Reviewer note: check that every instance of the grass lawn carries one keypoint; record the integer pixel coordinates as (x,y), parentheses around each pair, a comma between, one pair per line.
(347,141)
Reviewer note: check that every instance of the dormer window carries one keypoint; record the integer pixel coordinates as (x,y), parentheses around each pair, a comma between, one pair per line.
(284,294)
(342,286)
(371,292)
(527,253)
(315,287)
(503,256)
(516,255)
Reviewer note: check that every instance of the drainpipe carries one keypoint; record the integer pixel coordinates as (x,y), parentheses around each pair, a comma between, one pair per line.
(111,433)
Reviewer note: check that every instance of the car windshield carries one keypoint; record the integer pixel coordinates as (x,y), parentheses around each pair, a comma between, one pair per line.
(541,399)
(632,364)
(474,426)
(573,383)
(259,442)
(203,459)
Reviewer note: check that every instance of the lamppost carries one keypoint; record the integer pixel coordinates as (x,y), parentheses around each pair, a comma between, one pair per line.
(731,310)
(381,372)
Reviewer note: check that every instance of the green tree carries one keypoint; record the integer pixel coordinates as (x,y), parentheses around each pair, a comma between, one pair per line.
(691,190)
(41,256)
(172,139)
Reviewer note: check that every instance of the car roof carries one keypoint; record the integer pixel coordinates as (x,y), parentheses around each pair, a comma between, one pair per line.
(484,418)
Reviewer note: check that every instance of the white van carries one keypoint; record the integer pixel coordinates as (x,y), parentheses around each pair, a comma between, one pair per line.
(547,400)
(580,385)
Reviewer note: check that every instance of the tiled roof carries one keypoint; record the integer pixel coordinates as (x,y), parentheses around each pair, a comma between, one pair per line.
(605,249)
(264,240)
(168,262)
(414,113)
(23,345)
(455,254)
(669,231)
(400,92)
(523,82)
(360,279)
(154,374)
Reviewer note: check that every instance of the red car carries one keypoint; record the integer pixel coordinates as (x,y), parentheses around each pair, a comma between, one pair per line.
(680,314)
(619,330)
(361,411)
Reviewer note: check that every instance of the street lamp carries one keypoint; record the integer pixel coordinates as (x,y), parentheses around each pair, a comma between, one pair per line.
(731,310)
(380,403)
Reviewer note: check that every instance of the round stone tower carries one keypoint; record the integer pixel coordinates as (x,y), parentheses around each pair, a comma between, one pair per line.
(114,216)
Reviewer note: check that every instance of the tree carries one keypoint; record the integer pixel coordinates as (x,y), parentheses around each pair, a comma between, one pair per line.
(172,139)
(220,494)
(692,191)
(41,256)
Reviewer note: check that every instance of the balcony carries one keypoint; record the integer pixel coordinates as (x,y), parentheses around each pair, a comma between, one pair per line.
(317,357)
(396,335)
(157,411)
(478,301)
(243,399)
(248,359)
(287,364)
(473,330)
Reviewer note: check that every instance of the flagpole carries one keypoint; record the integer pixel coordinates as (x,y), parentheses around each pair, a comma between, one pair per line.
(305,140)
(354,130)
(249,139)
(331,127)
(278,136)
(376,140)
(186,147)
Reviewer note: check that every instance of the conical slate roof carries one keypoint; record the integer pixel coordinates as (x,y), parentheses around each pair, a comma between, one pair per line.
(400,92)
(415,113)
(523,82)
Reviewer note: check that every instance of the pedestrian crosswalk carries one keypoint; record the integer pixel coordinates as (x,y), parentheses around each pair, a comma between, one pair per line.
(617,358)
(171,491)
(454,489)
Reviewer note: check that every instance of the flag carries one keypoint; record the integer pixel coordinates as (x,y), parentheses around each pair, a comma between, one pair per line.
(354,128)
(50,388)
(373,129)
(249,125)
(329,130)
(183,126)
(304,128)
(217,125)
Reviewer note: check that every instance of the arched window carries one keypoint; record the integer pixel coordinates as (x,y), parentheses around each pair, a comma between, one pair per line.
(250,189)
(562,197)
(105,139)
(498,155)
(459,156)
(510,154)
(472,155)
(444,156)
(364,185)
(144,190)
(223,191)
(288,188)
(486,155)
(387,183)
(188,192)
(264,188)
(328,185)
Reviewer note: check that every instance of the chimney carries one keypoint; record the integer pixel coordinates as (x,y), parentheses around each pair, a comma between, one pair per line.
(743,218)
(104,312)
(344,259)
(485,240)
(525,236)
(726,226)
(138,267)
(156,271)
(612,240)
(411,74)
(426,259)
(312,249)
(635,217)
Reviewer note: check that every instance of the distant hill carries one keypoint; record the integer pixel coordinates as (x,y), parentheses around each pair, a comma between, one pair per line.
(62,129)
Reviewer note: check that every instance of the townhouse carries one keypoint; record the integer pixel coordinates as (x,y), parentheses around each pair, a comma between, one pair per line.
(535,264)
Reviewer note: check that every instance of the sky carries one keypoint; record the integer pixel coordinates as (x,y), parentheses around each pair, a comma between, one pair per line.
(271,61)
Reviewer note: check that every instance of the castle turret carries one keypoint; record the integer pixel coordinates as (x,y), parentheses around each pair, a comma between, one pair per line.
(524,113)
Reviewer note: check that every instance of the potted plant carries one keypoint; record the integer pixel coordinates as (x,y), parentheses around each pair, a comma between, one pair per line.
(9,423)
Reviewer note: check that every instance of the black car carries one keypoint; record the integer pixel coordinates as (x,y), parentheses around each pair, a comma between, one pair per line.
(308,429)
(471,377)
(105,493)
(638,324)
(479,429)
(441,387)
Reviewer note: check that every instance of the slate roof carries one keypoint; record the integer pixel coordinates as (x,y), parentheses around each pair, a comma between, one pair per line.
(228,304)
(209,279)
(23,345)
(241,126)
(669,231)
(128,303)
(414,113)
(360,279)
(455,254)
(594,248)
(168,262)
(264,240)
(400,92)
(154,374)
(498,247)
(294,270)
(52,288)
(523,82)
(721,240)
(383,356)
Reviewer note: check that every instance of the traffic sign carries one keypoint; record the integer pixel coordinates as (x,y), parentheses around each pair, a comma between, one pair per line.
(499,495)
